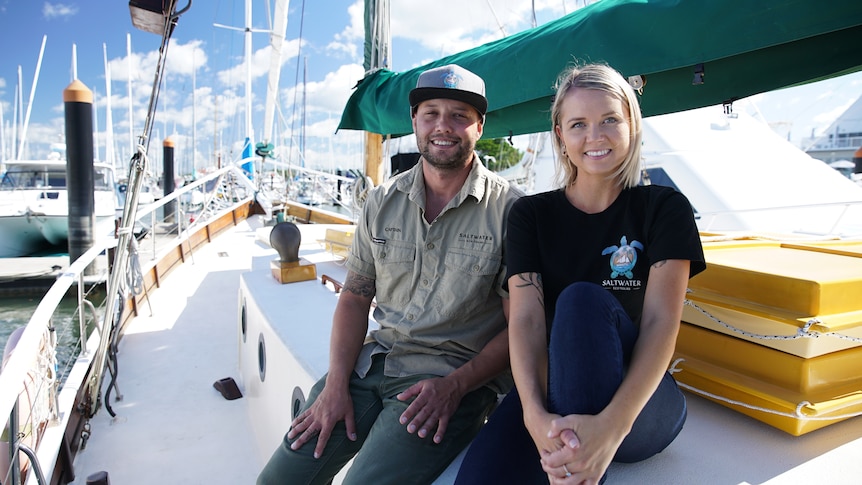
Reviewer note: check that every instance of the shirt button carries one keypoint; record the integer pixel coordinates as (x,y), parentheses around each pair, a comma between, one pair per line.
(476,268)
(382,254)
(425,282)
(410,317)
(430,245)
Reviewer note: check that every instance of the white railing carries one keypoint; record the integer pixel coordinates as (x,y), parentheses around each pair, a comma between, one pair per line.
(29,384)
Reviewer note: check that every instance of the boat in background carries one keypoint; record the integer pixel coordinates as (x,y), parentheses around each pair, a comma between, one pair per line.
(34,204)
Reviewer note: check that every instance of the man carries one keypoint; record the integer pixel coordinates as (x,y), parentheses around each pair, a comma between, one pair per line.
(429,246)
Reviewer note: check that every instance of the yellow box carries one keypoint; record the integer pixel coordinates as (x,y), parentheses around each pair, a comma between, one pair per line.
(775,289)
(801,279)
(730,369)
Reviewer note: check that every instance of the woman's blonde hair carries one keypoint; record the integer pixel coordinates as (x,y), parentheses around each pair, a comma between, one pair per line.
(603,78)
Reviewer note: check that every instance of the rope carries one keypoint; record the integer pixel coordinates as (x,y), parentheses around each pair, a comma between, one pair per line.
(360,190)
(798,414)
(803,332)
(134,275)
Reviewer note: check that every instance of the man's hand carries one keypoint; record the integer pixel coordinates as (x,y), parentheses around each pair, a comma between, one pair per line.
(436,400)
(320,418)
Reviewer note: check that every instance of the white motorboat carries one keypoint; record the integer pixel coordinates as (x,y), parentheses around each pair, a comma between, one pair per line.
(34,204)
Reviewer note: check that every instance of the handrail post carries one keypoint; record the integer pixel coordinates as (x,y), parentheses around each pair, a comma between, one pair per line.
(153,233)
(14,462)
(81,323)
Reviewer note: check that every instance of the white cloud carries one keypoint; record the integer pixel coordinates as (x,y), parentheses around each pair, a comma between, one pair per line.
(476,23)
(236,75)
(58,10)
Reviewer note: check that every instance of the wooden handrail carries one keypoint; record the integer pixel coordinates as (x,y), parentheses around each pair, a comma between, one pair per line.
(335,283)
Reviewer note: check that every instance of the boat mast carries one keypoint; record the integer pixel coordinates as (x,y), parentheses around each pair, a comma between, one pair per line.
(23,140)
(15,118)
(302,113)
(377,56)
(276,39)
(194,116)
(248,128)
(109,127)
(74,62)
(132,144)
(2,142)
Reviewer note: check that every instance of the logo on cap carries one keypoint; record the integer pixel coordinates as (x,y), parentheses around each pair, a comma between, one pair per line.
(451,80)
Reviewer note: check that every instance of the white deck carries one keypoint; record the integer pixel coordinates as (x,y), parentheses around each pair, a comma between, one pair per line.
(173,427)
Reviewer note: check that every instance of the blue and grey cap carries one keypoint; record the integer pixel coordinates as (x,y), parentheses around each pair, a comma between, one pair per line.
(450,82)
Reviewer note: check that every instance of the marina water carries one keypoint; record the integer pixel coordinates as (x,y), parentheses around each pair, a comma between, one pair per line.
(16,311)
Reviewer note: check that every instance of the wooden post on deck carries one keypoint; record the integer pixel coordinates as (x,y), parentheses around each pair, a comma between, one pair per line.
(374,157)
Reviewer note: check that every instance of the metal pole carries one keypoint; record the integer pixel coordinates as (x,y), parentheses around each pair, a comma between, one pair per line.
(81,322)
(14,462)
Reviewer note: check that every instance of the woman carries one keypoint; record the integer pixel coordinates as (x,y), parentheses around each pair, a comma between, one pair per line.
(597,274)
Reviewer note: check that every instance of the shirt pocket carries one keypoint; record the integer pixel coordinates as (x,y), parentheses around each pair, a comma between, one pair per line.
(394,263)
(466,282)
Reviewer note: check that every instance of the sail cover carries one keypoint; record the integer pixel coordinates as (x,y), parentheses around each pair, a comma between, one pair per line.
(691,53)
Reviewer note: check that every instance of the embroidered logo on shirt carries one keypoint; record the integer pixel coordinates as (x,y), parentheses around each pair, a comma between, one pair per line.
(474,238)
(623,259)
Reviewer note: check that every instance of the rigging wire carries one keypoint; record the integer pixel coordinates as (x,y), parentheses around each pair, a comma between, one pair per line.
(296,82)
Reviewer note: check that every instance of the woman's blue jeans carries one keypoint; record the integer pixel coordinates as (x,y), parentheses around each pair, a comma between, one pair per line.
(590,346)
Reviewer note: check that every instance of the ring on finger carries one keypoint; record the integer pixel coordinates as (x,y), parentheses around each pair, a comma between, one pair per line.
(568,473)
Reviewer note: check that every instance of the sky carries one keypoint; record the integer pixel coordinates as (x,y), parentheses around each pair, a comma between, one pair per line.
(203,97)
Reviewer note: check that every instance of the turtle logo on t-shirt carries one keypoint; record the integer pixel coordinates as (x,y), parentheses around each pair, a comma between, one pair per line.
(623,257)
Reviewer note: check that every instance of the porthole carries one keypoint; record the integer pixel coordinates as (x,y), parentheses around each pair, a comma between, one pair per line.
(243,320)
(261,358)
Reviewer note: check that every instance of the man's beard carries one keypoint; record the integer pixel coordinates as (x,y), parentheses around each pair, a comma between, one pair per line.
(457,160)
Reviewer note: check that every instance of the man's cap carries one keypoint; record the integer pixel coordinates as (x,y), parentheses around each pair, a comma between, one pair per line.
(450,82)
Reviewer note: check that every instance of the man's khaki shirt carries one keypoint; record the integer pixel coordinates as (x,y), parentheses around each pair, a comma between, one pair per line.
(438,285)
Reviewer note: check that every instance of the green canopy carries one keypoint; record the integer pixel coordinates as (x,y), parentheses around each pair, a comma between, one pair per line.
(742,47)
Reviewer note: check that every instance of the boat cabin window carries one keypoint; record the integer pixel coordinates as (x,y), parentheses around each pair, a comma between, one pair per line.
(51,179)
(102,179)
(56,179)
(23,179)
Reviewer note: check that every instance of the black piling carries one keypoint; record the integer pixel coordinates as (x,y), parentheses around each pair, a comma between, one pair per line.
(78,106)
(168,178)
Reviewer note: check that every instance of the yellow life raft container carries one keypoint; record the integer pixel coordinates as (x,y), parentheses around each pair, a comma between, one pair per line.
(774,330)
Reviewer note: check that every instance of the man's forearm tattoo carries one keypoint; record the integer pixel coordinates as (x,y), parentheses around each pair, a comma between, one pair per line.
(359,285)
(534,280)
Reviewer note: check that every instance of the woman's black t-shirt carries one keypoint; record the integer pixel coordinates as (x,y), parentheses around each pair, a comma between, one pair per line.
(614,248)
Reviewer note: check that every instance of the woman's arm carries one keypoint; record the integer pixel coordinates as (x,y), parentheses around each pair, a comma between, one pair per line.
(528,349)
(663,302)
